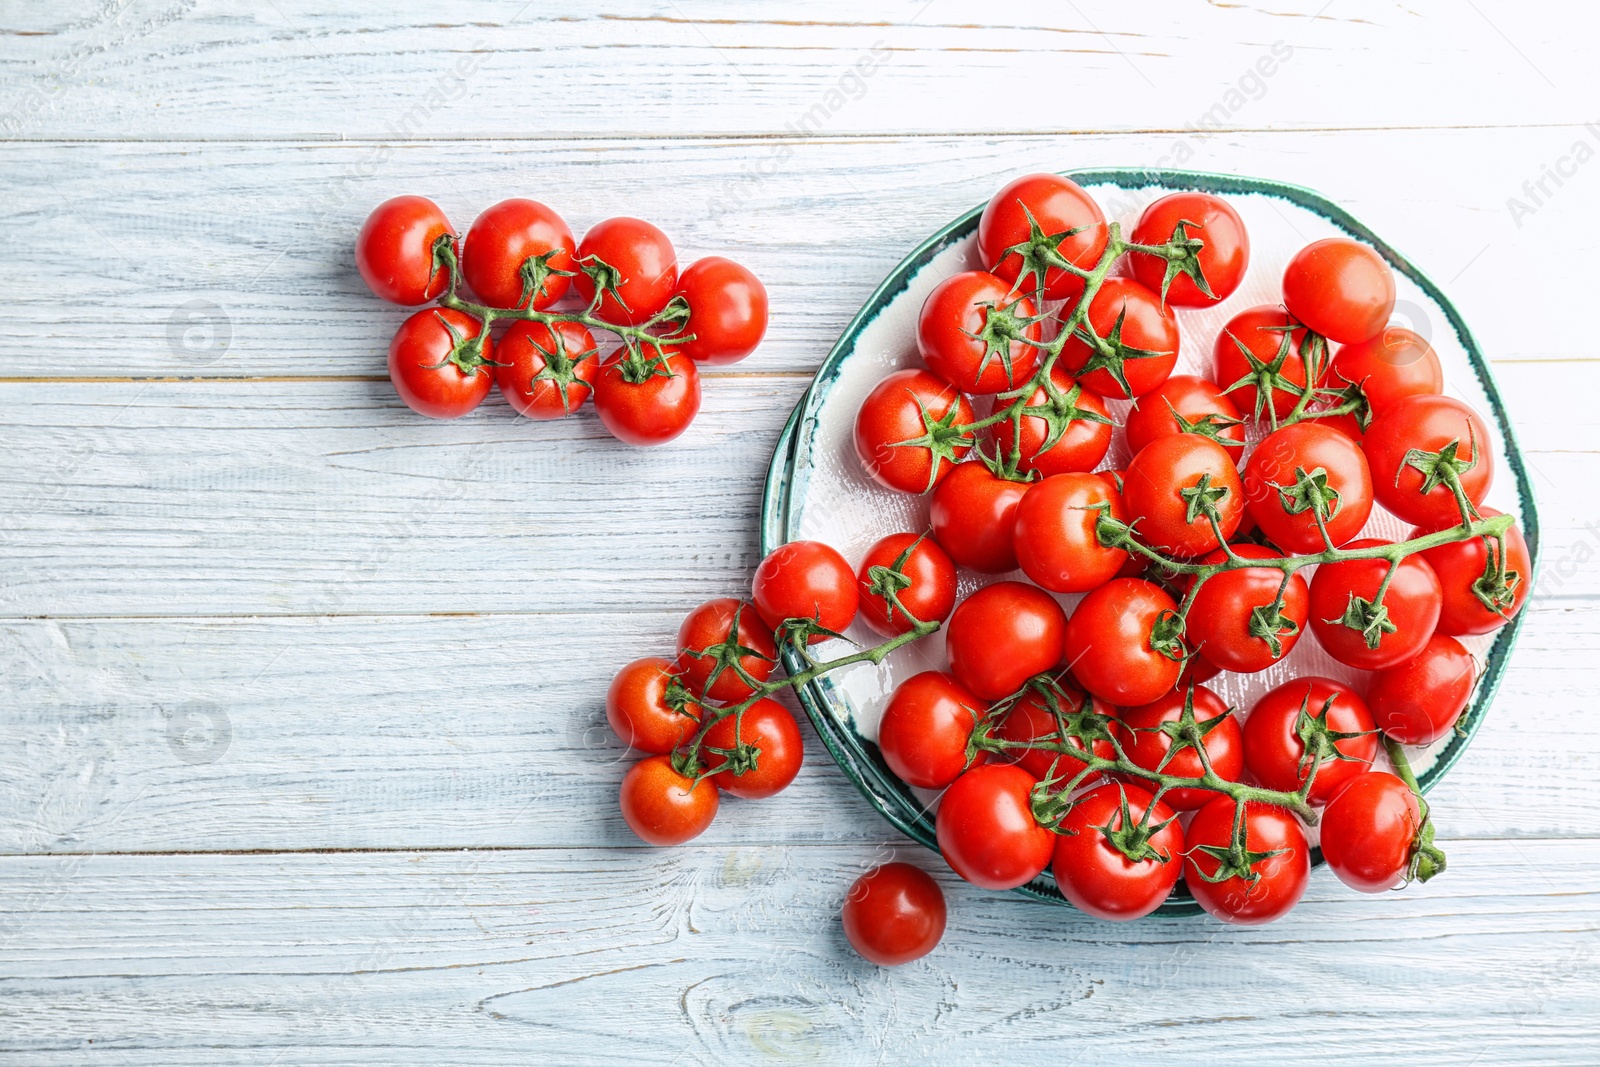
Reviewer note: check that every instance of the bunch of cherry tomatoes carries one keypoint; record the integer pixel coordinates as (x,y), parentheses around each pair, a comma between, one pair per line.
(520,264)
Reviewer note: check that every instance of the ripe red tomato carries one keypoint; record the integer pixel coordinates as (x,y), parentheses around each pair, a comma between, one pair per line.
(929,592)
(1167,487)
(1461,564)
(394,250)
(1411,605)
(1142,335)
(1058,206)
(893,914)
(1245,353)
(1150,731)
(637,708)
(1220,262)
(925,728)
(1274,470)
(1071,431)
(1368,830)
(772,732)
(1201,407)
(1095,875)
(971,330)
(652,411)
(1273,886)
(1002,635)
(1055,533)
(643,269)
(1229,620)
(662,806)
(986,829)
(1275,752)
(906,432)
(433,369)
(1428,424)
(727,311)
(1109,642)
(1418,700)
(494,259)
(548,370)
(1032,719)
(1395,364)
(710,624)
(1340,288)
(806,580)
(973,513)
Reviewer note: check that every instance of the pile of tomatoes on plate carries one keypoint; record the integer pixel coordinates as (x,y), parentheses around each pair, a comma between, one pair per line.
(519,264)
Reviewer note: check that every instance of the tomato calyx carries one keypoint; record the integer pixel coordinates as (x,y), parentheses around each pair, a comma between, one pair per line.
(1427,859)
(1182,254)
(1369,618)
(1040,252)
(1319,742)
(1187,732)
(561,367)
(889,582)
(466,353)
(1002,327)
(1311,492)
(728,654)
(536,273)
(607,280)
(945,441)
(1133,838)
(1202,498)
(1110,354)
(1058,412)
(1444,467)
(1270,624)
(1496,588)
(1267,377)
(1166,636)
(1235,859)
(1209,425)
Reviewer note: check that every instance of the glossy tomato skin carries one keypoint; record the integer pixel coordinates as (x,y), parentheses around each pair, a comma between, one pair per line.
(394,250)
(973,513)
(662,806)
(637,708)
(1307,446)
(806,580)
(1145,737)
(1055,533)
(1394,364)
(931,595)
(727,311)
(524,350)
(1197,401)
(651,412)
(1428,423)
(1108,642)
(1058,204)
(948,328)
(1223,258)
(1219,618)
(1282,878)
(1418,700)
(1340,288)
(644,258)
(770,728)
(1153,486)
(502,239)
(894,914)
(710,624)
(1461,563)
(1260,332)
(1081,446)
(892,413)
(1368,830)
(1413,600)
(1032,719)
(986,829)
(1095,876)
(925,728)
(1002,635)
(420,369)
(1273,749)
(1146,325)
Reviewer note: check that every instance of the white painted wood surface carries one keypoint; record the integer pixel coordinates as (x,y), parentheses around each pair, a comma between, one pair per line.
(303,760)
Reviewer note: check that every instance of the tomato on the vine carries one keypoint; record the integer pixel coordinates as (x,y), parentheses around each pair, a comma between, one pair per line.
(495,255)
(1368,637)
(1184,494)
(1258,885)
(893,914)
(1096,875)
(1340,288)
(1054,207)
(973,513)
(394,250)
(1369,831)
(1054,533)
(1418,700)
(1322,712)
(638,710)
(925,728)
(1214,270)
(727,311)
(986,829)
(547,370)
(1418,443)
(664,807)
(712,674)
(908,433)
(806,580)
(769,729)
(1291,469)
(1478,598)
(1068,430)
(1122,642)
(1264,348)
(1002,635)
(1139,337)
(1185,403)
(1232,620)
(438,364)
(1162,735)
(926,589)
(640,269)
(651,411)
(975,335)
(1031,719)
(1391,366)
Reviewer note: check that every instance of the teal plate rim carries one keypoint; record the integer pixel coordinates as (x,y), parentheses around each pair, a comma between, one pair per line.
(787,475)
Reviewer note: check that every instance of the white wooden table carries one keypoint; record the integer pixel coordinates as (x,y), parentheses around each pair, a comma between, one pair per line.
(302,757)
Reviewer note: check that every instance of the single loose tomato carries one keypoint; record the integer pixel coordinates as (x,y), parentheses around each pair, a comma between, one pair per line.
(1262,881)
(1418,700)
(638,268)
(727,311)
(1232,620)
(763,751)
(1093,866)
(649,407)
(1340,288)
(1356,633)
(1290,729)
(1117,642)
(909,431)
(1138,342)
(1162,735)
(925,587)
(975,335)
(439,365)
(515,254)
(1063,429)
(1209,273)
(1002,635)
(640,713)
(1186,403)
(1287,473)
(1416,445)
(806,580)
(1055,533)
(394,250)
(662,806)
(893,914)
(1485,580)
(1032,719)
(1369,831)
(1394,364)
(1260,360)
(925,728)
(708,670)
(973,513)
(1054,207)
(547,371)
(986,829)
(1183,494)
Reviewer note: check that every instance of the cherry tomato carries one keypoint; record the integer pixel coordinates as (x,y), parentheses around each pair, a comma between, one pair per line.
(1368,831)
(1149,732)
(1275,752)
(1273,886)
(1070,432)
(727,311)
(971,330)
(1032,719)
(1410,605)
(929,595)
(1220,262)
(772,732)
(1427,424)
(1245,353)
(1002,635)
(1169,484)
(1058,206)
(911,406)
(1418,700)
(1340,288)
(494,259)
(1394,364)
(394,250)
(806,580)
(549,370)
(710,624)
(1143,335)
(973,513)
(1109,642)
(662,806)
(432,367)
(1095,875)
(1271,486)
(1202,408)
(1055,533)
(1461,566)
(638,711)
(925,728)
(894,914)
(652,411)
(1230,620)
(644,269)
(986,829)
